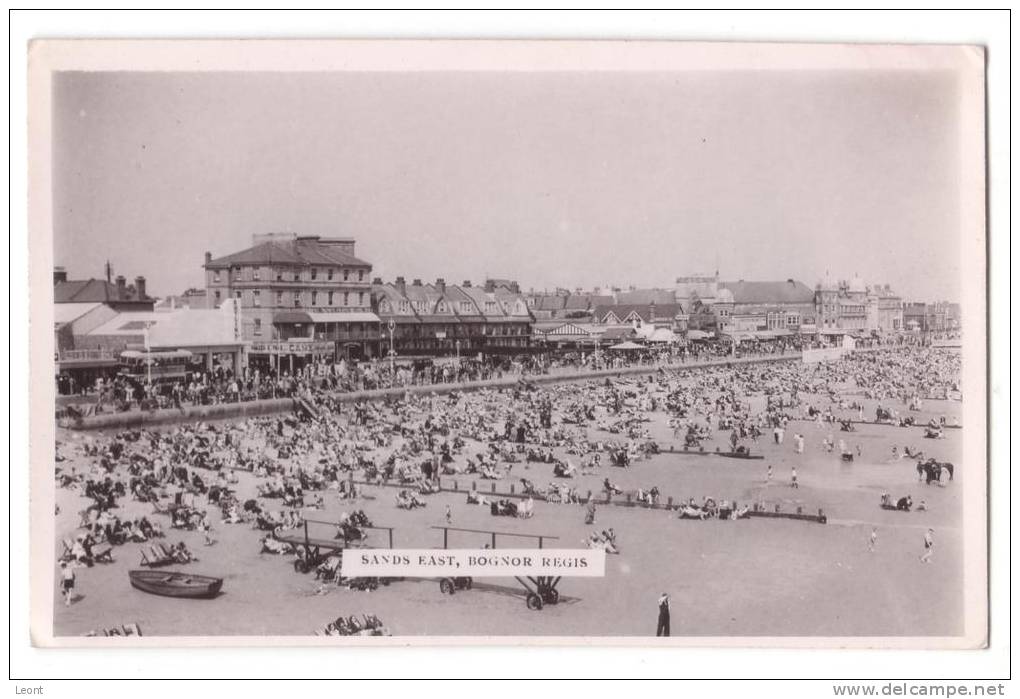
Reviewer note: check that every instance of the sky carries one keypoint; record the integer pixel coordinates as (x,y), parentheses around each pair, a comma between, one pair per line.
(553,179)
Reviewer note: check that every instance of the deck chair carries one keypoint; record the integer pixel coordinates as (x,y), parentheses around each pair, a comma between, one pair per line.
(132,630)
(103,555)
(66,555)
(155,556)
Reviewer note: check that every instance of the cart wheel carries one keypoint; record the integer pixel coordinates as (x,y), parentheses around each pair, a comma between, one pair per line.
(551,596)
(300,566)
(446,586)
(534,601)
(468,582)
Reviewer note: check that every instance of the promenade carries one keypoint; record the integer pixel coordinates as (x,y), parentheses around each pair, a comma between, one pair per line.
(137,418)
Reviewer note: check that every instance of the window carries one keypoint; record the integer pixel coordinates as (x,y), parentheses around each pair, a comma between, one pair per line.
(279,298)
(347,299)
(315,298)
(279,275)
(490,306)
(297,299)
(216,277)
(258,326)
(329,274)
(346,274)
(315,273)
(237,274)
(297,276)
(255,274)
(237,295)
(256,298)
(217,298)
(361,298)
(361,275)
(465,307)
(404,307)
(331,300)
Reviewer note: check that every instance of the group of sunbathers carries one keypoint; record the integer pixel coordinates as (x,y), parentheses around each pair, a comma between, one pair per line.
(368,625)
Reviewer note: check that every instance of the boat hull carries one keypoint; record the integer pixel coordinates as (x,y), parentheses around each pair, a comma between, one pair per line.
(174,584)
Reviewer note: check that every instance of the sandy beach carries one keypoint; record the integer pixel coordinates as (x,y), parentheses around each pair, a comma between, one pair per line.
(750,577)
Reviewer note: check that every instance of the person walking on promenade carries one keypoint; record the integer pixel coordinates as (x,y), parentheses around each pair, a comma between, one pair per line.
(929,545)
(663,627)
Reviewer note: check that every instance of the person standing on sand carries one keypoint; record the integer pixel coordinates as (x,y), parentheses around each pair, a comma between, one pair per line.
(67,582)
(663,627)
(793,477)
(449,515)
(768,475)
(873,539)
(929,545)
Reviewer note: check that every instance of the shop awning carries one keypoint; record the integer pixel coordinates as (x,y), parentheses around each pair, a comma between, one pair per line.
(292,317)
(359,317)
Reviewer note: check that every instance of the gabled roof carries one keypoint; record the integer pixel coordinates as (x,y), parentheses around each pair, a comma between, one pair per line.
(294,253)
(642,311)
(789,291)
(93,291)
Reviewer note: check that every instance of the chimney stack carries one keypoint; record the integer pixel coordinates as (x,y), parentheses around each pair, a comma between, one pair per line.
(140,287)
(208,257)
(490,286)
(441,285)
(416,282)
(377,281)
(515,287)
(121,286)
(467,284)
(59,275)
(400,284)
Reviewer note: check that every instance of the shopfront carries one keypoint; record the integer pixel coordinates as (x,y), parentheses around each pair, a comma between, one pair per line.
(290,356)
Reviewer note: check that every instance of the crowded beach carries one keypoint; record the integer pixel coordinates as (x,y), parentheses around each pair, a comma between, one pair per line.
(768,498)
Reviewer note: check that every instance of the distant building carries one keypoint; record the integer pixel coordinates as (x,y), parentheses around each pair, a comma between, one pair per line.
(776,307)
(670,316)
(885,309)
(191,298)
(118,294)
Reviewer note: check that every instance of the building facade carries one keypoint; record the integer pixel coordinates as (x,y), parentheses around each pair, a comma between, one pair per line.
(303,298)
(443,319)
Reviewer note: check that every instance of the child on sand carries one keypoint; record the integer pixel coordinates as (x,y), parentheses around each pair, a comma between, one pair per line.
(929,546)
(66,582)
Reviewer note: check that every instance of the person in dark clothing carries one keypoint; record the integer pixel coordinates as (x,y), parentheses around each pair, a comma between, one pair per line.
(663,627)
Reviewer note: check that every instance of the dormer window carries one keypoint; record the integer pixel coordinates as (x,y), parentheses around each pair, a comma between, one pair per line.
(315,273)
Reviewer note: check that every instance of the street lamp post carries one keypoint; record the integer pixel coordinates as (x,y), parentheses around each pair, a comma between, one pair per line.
(148,360)
(391,326)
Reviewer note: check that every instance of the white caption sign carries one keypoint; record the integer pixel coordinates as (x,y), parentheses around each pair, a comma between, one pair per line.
(476,563)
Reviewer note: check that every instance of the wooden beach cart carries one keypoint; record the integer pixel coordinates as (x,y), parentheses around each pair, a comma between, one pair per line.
(540,590)
(313,551)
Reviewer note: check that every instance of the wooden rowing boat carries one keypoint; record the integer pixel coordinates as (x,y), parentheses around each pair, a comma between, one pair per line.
(169,583)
